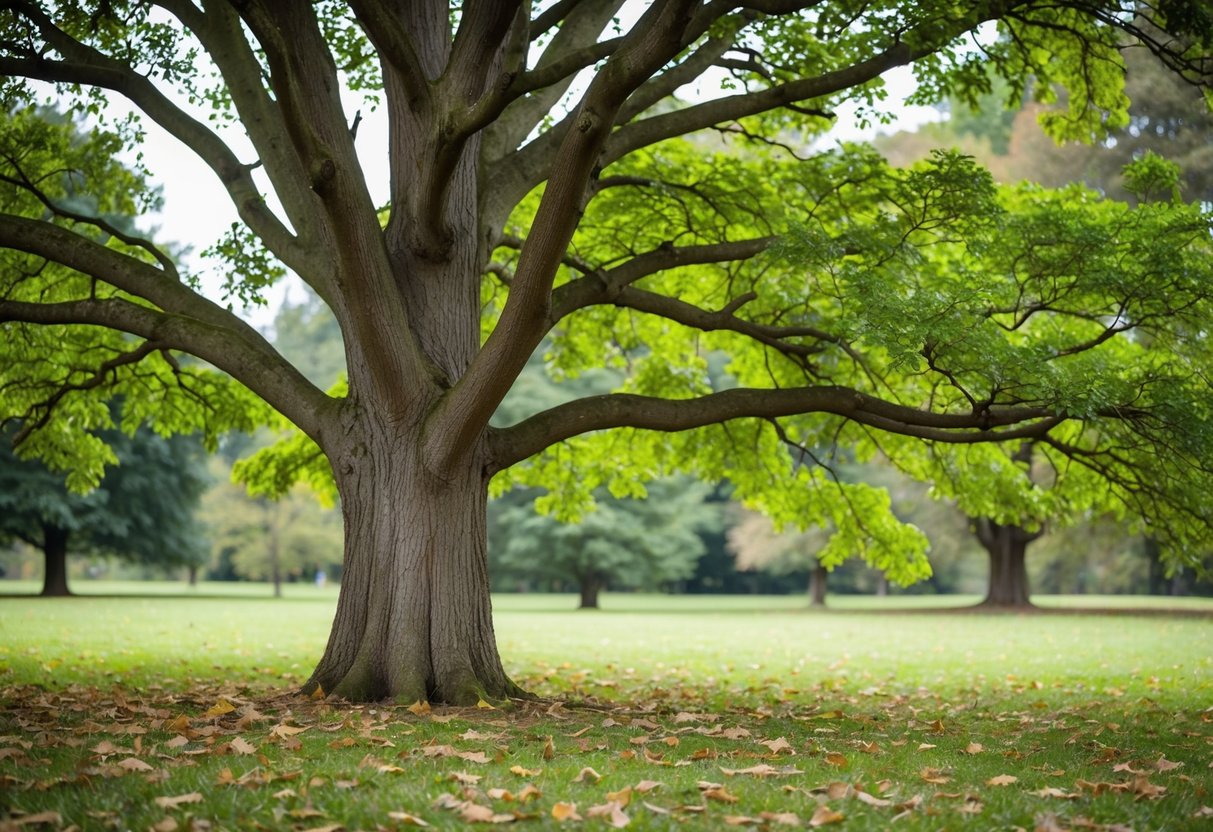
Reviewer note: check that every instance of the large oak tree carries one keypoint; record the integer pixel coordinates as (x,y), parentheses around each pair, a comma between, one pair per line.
(923,313)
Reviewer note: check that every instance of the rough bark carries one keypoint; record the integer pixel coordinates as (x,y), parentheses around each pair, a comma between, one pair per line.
(414,614)
(1007,547)
(54,548)
(817,585)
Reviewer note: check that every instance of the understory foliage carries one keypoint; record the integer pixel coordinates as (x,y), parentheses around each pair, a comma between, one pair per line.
(549,192)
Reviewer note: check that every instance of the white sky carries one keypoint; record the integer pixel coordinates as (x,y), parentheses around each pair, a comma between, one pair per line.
(197,210)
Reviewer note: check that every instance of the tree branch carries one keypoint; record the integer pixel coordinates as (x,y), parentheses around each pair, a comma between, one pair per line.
(617,410)
(386,31)
(466,409)
(255,365)
(605,287)
(87,66)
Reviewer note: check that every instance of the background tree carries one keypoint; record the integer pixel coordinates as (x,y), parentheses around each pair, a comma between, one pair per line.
(271,540)
(143,509)
(624,543)
(874,325)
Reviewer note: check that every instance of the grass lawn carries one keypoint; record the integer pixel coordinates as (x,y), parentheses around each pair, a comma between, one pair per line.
(176,710)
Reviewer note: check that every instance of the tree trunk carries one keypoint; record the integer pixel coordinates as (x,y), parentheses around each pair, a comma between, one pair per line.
(1155,574)
(1007,547)
(817,585)
(54,547)
(414,615)
(192,575)
(590,585)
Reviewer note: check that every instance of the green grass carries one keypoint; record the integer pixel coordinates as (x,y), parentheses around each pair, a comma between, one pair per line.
(1056,701)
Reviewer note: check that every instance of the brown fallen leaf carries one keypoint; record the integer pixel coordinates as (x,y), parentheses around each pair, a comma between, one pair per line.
(1163,764)
(526,772)
(645,786)
(835,759)
(1002,780)
(465,778)
(934,775)
(825,816)
(623,797)
(611,812)
(177,742)
(741,820)
(761,770)
(587,775)
(717,792)
(877,802)
(501,794)
(473,756)
(134,764)
(565,811)
(1049,791)
(529,793)
(419,707)
(174,802)
(1142,787)
(778,746)
(167,824)
(973,748)
(781,818)
(549,750)
(1203,812)
(484,706)
(242,746)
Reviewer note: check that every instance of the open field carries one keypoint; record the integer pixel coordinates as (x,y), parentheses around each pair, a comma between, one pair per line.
(735,706)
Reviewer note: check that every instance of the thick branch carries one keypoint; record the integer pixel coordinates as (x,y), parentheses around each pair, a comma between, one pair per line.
(85,65)
(514,444)
(255,365)
(384,27)
(655,39)
(605,287)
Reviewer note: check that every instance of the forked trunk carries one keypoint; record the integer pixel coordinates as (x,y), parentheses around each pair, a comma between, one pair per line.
(54,547)
(414,615)
(1007,547)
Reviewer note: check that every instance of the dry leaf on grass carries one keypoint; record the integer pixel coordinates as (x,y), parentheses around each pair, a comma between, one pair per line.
(565,811)
(1002,780)
(406,819)
(587,775)
(825,816)
(174,802)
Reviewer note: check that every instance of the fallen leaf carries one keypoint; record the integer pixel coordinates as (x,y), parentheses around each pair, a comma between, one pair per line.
(735,734)
(177,742)
(484,706)
(925,746)
(500,794)
(877,802)
(741,820)
(549,750)
(419,707)
(174,802)
(465,778)
(220,708)
(762,770)
(529,793)
(973,748)
(243,746)
(835,759)
(167,824)
(647,785)
(284,730)
(587,775)
(1142,787)
(825,816)
(1049,791)
(1203,812)
(1163,764)
(623,797)
(526,772)
(934,775)
(718,793)
(473,756)
(134,764)
(1002,780)
(565,811)
(781,818)
(612,812)
(778,746)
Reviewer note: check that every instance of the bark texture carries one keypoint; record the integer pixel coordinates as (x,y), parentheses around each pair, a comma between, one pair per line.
(1007,547)
(414,615)
(54,547)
